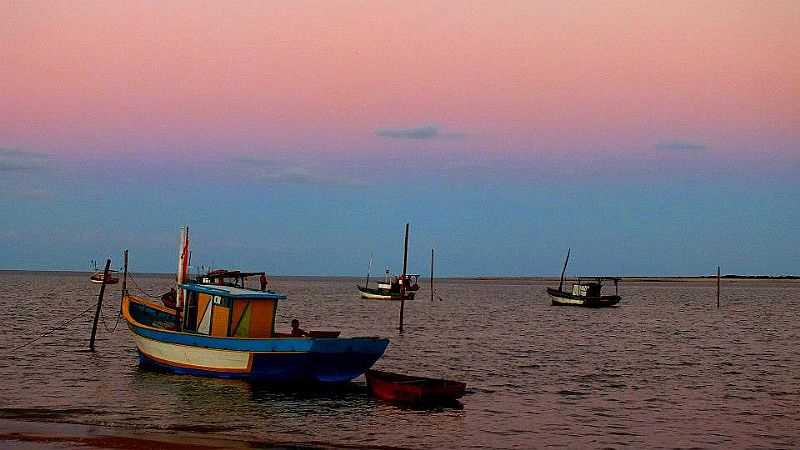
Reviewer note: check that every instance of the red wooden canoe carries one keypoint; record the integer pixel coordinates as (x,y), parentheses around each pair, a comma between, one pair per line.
(407,388)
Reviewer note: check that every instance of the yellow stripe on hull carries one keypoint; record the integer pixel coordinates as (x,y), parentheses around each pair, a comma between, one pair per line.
(195,357)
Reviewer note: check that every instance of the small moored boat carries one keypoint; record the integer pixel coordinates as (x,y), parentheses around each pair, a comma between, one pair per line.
(406,388)
(98,276)
(403,287)
(584,293)
(226,330)
(393,288)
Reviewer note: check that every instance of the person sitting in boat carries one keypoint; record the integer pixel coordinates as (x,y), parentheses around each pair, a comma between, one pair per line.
(263,280)
(296,330)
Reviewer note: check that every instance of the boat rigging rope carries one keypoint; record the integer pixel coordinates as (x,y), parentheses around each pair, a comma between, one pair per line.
(138,288)
(105,325)
(51,330)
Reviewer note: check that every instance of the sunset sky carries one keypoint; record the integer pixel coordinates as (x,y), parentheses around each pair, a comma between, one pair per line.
(298,137)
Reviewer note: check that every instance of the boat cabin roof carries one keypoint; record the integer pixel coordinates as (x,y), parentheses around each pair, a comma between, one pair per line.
(233,292)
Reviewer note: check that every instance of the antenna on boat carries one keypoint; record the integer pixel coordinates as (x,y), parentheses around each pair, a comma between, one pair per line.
(564,270)
(403,278)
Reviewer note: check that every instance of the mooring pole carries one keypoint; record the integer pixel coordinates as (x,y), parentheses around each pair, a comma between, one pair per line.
(403,283)
(99,304)
(717,286)
(124,274)
(431,274)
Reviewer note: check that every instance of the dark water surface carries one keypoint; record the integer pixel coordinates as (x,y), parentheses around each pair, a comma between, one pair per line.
(666,369)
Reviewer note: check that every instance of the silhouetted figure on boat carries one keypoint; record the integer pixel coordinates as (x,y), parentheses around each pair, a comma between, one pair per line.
(263,280)
(296,330)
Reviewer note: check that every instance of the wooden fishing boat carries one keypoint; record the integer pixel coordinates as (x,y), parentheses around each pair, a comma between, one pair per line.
(98,277)
(586,294)
(408,388)
(401,288)
(228,331)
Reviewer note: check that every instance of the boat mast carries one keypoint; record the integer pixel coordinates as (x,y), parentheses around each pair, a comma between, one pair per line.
(563,271)
(369,269)
(183,267)
(403,279)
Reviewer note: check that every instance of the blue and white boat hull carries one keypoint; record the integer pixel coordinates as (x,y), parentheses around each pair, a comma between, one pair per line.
(277,360)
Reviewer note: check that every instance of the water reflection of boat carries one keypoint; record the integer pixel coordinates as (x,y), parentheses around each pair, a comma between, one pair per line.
(406,388)
(229,331)
(584,293)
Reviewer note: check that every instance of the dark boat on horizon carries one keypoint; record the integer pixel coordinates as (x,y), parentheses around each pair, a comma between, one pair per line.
(401,287)
(586,294)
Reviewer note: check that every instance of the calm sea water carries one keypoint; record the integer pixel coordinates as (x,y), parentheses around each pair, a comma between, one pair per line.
(666,369)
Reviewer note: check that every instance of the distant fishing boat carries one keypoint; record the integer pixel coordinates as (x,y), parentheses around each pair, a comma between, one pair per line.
(224,329)
(586,294)
(98,275)
(391,288)
(403,287)
(407,388)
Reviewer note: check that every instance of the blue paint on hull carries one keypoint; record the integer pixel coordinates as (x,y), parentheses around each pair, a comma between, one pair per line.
(299,368)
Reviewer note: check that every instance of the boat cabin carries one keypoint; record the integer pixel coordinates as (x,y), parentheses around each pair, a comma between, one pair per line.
(587,289)
(593,288)
(392,283)
(229,311)
(224,277)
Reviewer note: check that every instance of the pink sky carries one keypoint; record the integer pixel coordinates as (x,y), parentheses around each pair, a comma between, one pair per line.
(86,78)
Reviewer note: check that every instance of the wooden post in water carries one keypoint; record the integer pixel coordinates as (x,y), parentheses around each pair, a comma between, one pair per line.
(431,274)
(717,286)
(99,304)
(403,278)
(124,274)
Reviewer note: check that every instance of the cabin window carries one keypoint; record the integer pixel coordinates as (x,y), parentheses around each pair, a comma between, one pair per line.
(190,311)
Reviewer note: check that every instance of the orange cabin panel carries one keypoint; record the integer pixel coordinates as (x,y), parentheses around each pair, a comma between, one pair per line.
(262,318)
(220,316)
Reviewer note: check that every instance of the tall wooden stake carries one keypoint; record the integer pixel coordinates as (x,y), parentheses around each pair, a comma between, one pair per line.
(431,274)
(99,304)
(717,286)
(124,274)
(403,277)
